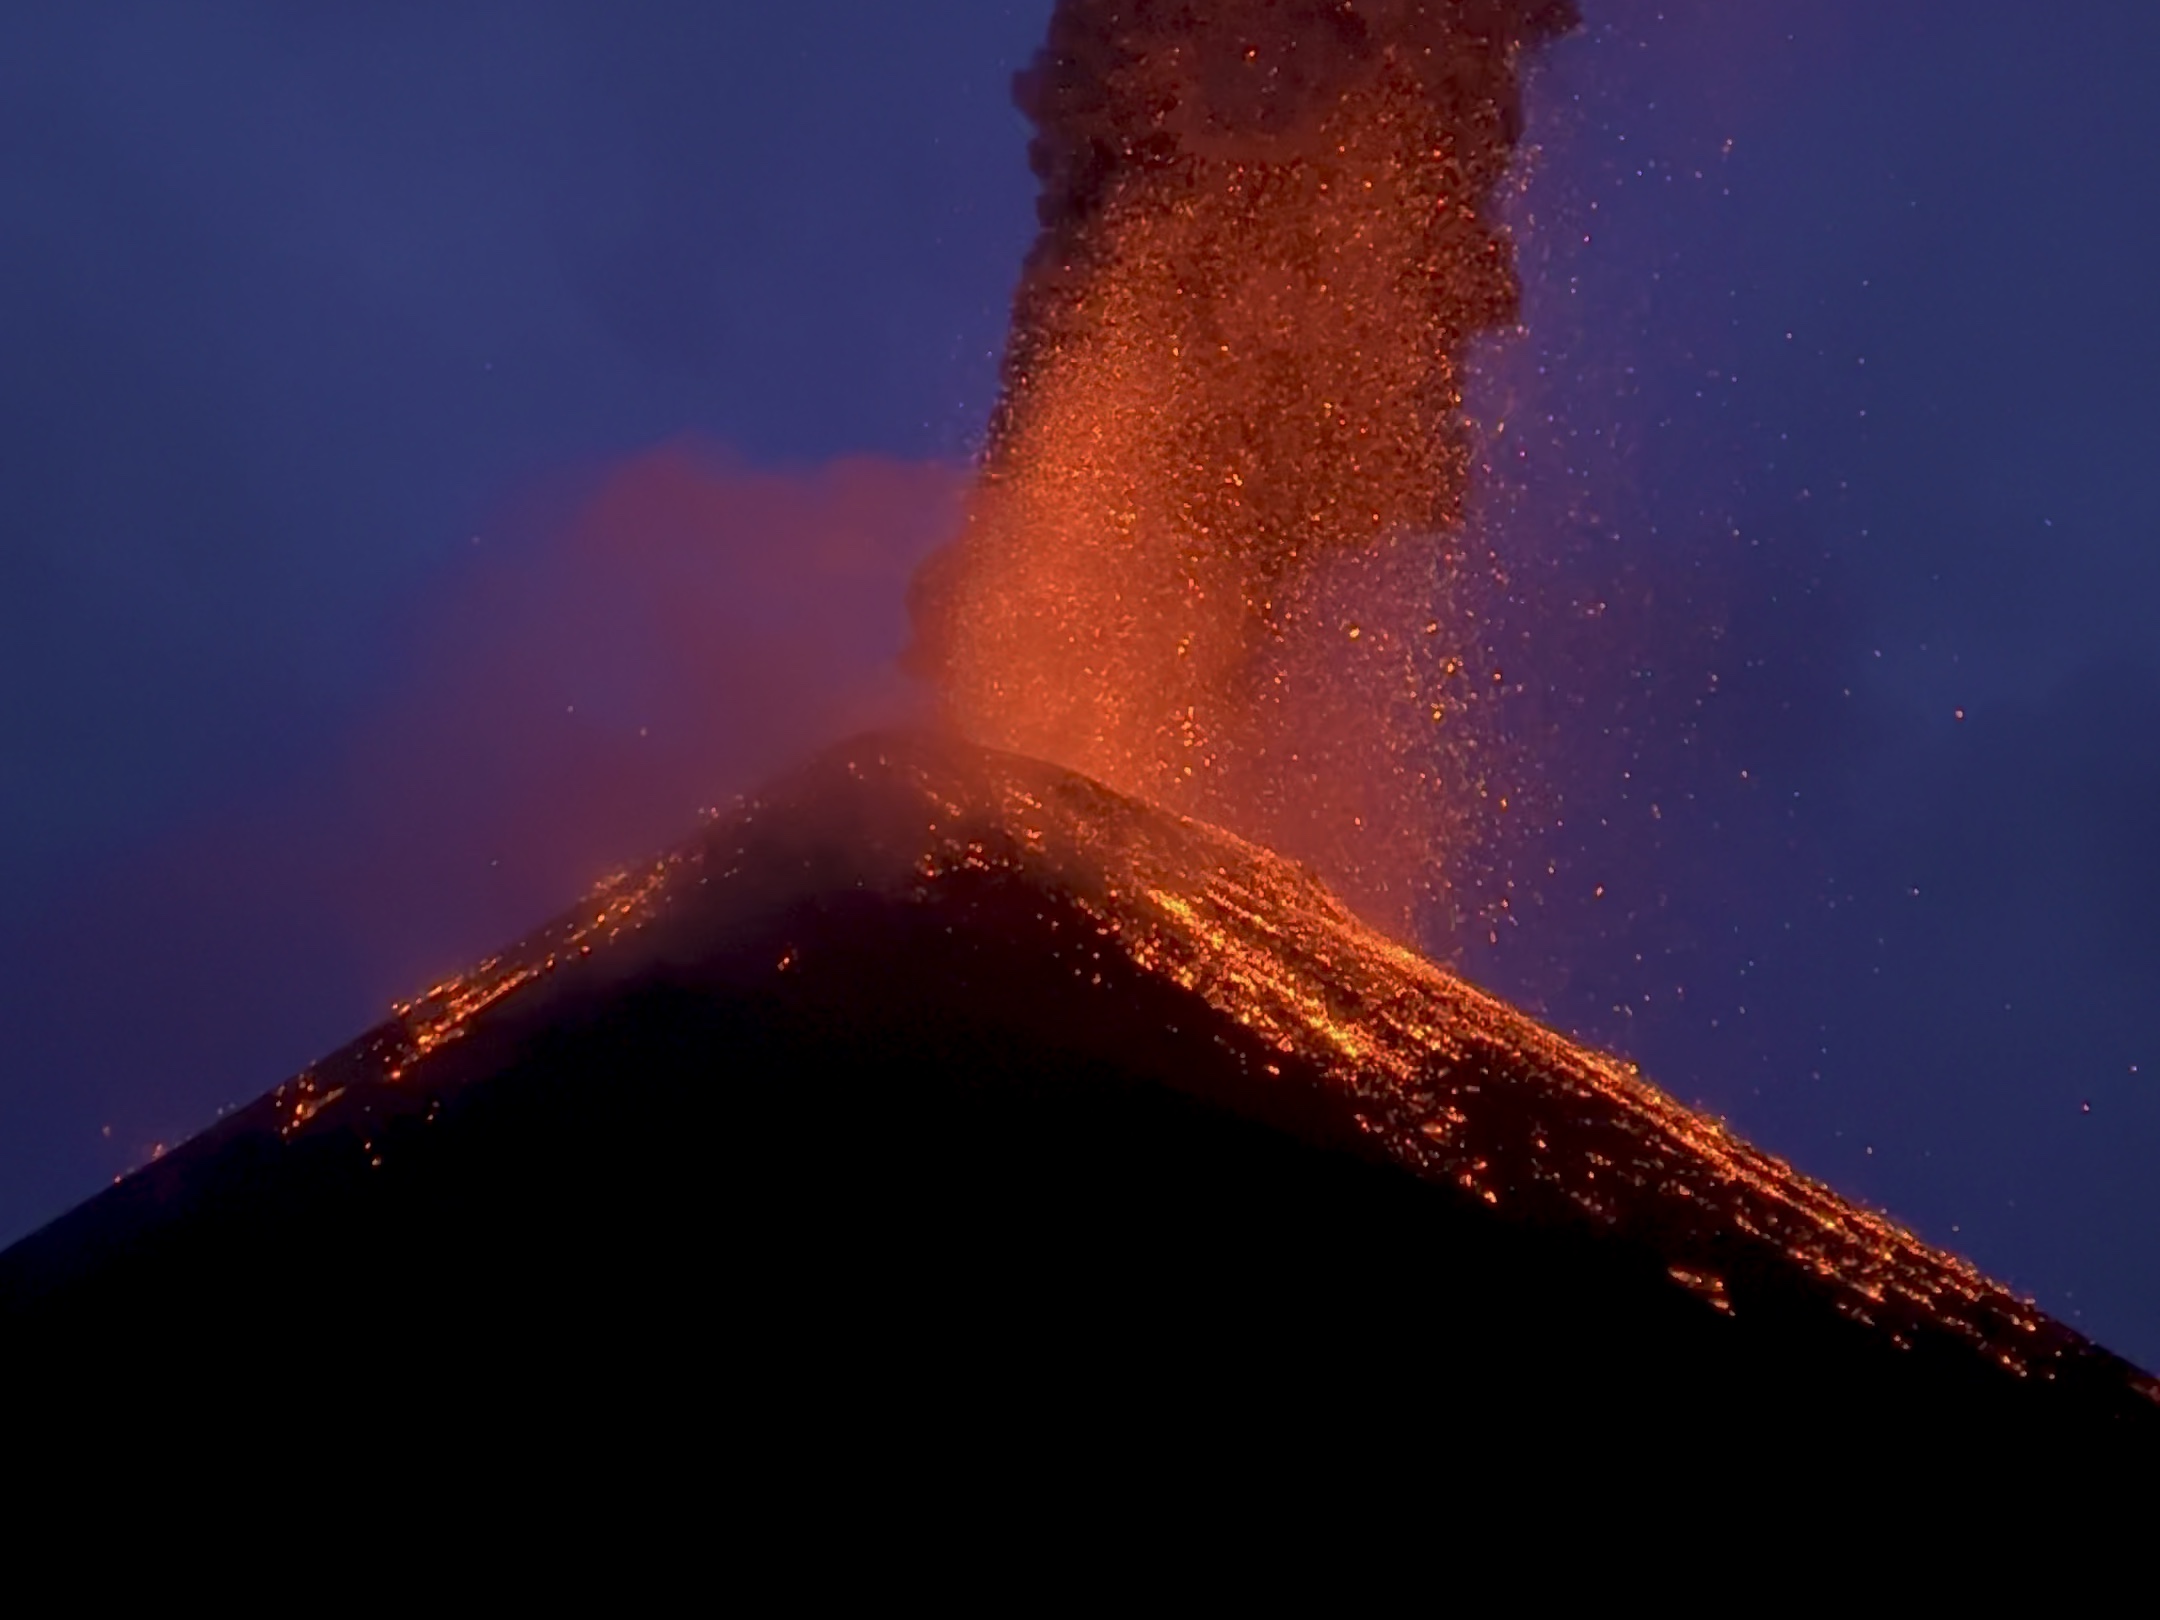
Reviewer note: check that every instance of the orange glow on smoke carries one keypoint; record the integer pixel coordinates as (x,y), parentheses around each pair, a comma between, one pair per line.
(1207,550)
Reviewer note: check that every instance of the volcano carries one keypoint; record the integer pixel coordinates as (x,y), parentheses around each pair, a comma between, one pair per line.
(939,1086)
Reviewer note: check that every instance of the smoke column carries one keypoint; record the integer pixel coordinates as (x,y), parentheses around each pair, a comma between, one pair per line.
(1209,536)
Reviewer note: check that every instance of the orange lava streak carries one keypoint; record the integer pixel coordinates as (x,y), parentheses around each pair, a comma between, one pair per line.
(1441,1077)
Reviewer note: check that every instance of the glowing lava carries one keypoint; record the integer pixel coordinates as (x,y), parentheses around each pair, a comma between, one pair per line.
(1333,1032)
(1205,560)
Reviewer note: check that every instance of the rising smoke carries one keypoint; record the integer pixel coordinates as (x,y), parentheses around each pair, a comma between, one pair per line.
(632,642)
(1210,533)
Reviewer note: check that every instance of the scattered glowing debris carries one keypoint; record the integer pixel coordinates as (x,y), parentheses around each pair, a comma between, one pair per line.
(1439,1078)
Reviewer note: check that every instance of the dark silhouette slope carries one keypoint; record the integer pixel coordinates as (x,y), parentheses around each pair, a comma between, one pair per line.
(943,1093)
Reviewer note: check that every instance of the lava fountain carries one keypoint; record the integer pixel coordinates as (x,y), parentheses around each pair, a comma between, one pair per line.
(1210,554)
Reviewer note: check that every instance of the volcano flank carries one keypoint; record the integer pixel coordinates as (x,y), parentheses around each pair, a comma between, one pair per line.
(940,1086)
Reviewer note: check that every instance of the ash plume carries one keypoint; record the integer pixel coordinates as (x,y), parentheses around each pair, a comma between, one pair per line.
(1206,559)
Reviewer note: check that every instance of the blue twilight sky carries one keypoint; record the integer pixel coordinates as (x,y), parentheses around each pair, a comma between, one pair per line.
(443,445)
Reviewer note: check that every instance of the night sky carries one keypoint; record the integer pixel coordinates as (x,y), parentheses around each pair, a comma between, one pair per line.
(445,446)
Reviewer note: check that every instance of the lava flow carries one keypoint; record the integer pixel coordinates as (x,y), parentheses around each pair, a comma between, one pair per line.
(1207,561)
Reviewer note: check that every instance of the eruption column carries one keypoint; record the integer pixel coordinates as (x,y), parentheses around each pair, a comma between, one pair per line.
(1209,533)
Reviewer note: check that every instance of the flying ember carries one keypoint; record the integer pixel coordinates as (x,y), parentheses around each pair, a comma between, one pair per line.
(1212,526)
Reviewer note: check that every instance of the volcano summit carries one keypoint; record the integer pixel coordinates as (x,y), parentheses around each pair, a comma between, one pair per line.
(940,1069)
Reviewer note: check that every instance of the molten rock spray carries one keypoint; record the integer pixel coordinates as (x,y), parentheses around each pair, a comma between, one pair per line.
(1208,558)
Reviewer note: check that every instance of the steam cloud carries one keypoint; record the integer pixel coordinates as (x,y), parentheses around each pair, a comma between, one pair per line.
(659,635)
(1207,539)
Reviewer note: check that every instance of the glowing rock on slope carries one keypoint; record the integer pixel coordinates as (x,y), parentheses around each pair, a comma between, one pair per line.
(1393,1053)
